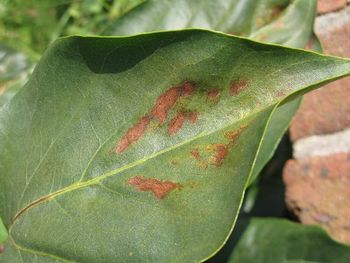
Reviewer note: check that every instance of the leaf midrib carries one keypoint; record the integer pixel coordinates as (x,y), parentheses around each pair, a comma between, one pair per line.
(95,180)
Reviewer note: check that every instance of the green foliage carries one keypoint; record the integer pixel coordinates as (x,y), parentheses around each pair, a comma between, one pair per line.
(96,176)
(142,147)
(30,26)
(276,240)
(3,232)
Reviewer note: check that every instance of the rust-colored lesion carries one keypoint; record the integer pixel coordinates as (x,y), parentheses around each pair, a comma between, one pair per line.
(133,134)
(212,94)
(2,248)
(195,154)
(221,152)
(237,86)
(160,188)
(176,123)
(167,100)
(193,116)
(159,113)
(232,136)
(201,162)
(215,154)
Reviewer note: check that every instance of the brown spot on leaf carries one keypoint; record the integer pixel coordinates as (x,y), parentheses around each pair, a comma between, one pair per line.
(221,152)
(167,100)
(193,116)
(232,136)
(187,88)
(213,93)
(176,123)
(133,134)
(2,248)
(160,112)
(237,87)
(199,160)
(173,162)
(281,93)
(216,153)
(159,188)
(164,103)
(195,154)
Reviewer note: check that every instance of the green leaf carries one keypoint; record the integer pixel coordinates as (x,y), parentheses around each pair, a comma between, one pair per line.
(277,240)
(279,21)
(231,16)
(95,165)
(3,232)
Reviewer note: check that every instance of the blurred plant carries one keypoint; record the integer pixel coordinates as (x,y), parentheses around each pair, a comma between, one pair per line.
(30,26)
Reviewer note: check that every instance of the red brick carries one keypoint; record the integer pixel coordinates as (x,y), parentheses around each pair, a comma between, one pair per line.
(326,110)
(323,111)
(335,39)
(318,192)
(326,6)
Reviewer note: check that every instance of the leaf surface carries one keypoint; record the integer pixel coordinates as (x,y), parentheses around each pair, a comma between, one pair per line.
(129,148)
(3,232)
(277,240)
(283,22)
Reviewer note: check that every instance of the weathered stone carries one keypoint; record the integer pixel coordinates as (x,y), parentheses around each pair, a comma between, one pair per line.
(323,111)
(327,110)
(325,6)
(322,145)
(318,192)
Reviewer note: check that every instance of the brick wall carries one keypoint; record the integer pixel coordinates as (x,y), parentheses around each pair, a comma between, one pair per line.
(318,178)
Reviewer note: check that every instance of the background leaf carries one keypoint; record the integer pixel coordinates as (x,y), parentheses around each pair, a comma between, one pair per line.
(3,232)
(277,240)
(156,197)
